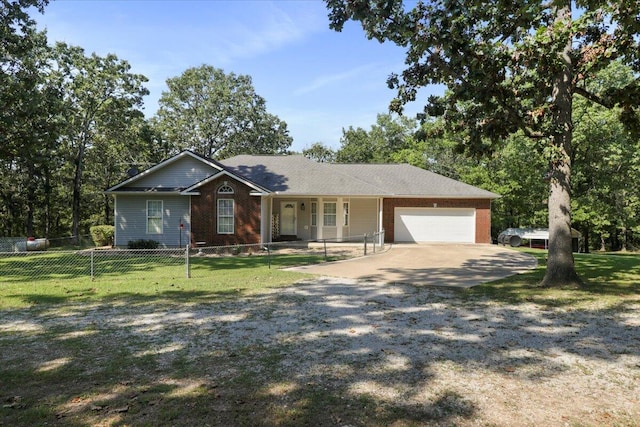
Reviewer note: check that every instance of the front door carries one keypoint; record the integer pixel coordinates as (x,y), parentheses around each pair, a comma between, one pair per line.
(288,218)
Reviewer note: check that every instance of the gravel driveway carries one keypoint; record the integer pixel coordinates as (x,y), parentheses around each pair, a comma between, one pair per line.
(423,356)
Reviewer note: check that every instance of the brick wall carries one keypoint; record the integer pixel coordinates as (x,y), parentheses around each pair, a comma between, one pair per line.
(483,213)
(204,225)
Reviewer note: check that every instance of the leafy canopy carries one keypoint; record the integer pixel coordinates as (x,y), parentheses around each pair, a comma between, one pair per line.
(499,59)
(219,115)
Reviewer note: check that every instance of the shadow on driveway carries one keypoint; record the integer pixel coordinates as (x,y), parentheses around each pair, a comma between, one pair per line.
(451,265)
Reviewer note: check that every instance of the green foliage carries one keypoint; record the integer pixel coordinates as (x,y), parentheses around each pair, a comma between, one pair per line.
(21,52)
(219,115)
(102,235)
(142,244)
(319,153)
(511,67)
(390,134)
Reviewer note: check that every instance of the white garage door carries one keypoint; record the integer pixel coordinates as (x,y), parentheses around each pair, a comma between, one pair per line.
(435,225)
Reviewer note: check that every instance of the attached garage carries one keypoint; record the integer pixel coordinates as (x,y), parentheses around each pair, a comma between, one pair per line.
(453,225)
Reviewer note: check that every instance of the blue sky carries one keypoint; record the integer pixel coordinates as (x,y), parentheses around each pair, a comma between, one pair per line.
(315,79)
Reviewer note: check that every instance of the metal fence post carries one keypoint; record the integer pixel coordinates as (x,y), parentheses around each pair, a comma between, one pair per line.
(325,248)
(373,241)
(365,243)
(187,265)
(269,254)
(92,264)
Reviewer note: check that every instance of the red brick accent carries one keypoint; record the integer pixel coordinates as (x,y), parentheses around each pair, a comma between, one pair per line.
(483,213)
(204,214)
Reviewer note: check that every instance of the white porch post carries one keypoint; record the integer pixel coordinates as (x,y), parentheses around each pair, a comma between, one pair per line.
(380,226)
(320,219)
(339,219)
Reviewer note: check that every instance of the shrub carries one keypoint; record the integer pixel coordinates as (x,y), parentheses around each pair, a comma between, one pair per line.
(102,235)
(142,244)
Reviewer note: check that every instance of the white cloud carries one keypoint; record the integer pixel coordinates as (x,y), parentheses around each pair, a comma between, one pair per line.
(332,79)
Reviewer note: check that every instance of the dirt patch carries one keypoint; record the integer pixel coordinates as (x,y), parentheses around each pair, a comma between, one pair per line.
(326,352)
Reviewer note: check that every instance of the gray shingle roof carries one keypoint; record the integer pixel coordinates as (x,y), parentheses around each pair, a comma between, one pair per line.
(297,175)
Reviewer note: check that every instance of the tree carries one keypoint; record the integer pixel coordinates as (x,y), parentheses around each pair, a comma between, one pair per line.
(390,134)
(21,47)
(606,194)
(219,115)
(101,96)
(511,67)
(319,153)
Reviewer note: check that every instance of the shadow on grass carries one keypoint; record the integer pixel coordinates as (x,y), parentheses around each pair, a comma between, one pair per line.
(605,275)
(322,353)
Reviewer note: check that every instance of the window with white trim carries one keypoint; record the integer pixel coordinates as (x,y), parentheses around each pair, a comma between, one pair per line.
(345,213)
(330,213)
(314,214)
(225,189)
(225,216)
(154,216)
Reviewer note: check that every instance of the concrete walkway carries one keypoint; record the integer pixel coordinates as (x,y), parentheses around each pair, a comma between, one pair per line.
(454,265)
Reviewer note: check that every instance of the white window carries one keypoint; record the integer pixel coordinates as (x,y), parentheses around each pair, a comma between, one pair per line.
(225,189)
(345,213)
(225,216)
(330,212)
(314,214)
(154,216)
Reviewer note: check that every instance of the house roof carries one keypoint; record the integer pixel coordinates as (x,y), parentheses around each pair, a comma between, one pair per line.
(297,175)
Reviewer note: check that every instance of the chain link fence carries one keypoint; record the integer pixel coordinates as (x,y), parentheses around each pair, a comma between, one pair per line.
(21,266)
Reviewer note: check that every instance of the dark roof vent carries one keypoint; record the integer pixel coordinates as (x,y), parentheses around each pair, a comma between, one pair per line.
(132,171)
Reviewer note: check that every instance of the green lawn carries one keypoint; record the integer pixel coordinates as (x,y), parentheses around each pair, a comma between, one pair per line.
(65,277)
(610,279)
(76,352)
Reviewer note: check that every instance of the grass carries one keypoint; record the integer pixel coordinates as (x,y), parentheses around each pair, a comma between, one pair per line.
(56,278)
(126,374)
(611,279)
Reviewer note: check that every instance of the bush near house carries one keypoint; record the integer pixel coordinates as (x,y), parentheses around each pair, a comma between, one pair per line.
(102,235)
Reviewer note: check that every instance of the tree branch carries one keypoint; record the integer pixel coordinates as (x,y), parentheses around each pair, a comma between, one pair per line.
(593,97)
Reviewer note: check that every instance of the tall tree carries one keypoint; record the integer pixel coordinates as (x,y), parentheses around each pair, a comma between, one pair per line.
(219,115)
(390,134)
(607,166)
(101,95)
(29,121)
(508,67)
(21,47)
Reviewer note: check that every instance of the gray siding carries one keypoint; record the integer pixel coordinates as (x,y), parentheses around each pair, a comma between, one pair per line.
(363,216)
(182,173)
(131,219)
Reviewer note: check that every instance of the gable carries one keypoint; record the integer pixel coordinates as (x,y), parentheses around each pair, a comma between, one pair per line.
(182,173)
(172,175)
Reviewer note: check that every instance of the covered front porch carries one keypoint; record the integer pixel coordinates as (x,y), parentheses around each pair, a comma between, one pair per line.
(319,218)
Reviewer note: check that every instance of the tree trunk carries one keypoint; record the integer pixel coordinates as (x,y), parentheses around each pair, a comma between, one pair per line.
(560,264)
(586,237)
(77,187)
(107,209)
